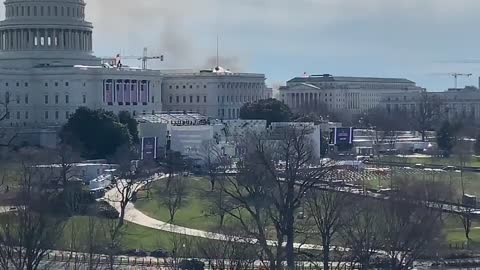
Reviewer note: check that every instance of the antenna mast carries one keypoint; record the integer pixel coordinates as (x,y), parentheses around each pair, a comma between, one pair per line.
(218,58)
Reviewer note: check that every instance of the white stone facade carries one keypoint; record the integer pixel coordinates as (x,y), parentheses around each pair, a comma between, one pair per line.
(48,70)
(351,95)
(217,94)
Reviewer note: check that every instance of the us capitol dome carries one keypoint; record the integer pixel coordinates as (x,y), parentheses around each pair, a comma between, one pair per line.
(45,32)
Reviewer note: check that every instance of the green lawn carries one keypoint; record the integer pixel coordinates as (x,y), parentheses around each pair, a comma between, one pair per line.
(194,212)
(133,236)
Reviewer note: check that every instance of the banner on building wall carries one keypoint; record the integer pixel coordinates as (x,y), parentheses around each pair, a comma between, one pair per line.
(143,92)
(108,91)
(342,136)
(134,91)
(126,91)
(149,148)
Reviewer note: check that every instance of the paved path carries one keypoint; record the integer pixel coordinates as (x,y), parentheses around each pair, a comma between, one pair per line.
(133,215)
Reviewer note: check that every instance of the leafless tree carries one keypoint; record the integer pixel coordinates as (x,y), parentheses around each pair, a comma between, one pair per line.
(7,134)
(463,151)
(265,198)
(427,114)
(172,196)
(410,227)
(327,210)
(218,203)
(27,234)
(229,253)
(129,178)
(213,159)
(385,126)
(361,233)
(181,249)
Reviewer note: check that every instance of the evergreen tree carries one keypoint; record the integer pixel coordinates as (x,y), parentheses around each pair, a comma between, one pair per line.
(445,138)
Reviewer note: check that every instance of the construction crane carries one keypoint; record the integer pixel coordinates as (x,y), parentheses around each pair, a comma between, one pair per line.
(145,58)
(456,75)
(117,60)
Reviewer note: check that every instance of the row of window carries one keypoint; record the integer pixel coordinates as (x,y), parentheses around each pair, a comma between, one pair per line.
(228,113)
(67,99)
(46,84)
(28,10)
(191,99)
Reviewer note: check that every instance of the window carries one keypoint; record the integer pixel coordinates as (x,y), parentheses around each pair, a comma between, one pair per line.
(67,84)
(46,84)
(18,99)
(171,99)
(204,86)
(56,99)
(67,115)
(170,87)
(26,115)
(191,86)
(84,97)
(67,99)
(178,99)
(56,83)
(18,115)
(153,99)
(184,87)
(46,114)
(56,115)
(26,84)
(198,99)
(191,99)
(184,98)
(46,99)
(26,98)
(18,84)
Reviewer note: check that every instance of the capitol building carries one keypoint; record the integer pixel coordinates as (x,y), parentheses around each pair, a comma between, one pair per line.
(48,70)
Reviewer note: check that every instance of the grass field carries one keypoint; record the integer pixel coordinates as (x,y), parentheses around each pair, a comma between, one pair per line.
(132,237)
(194,212)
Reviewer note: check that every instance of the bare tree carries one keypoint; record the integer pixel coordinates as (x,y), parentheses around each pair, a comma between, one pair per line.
(228,253)
(129,178)
(213,159)
(410,227)
(361,233)
(427,113)
(173,196)
(27,234)
(7,134)
(265,198)
(327,209)
(181,249)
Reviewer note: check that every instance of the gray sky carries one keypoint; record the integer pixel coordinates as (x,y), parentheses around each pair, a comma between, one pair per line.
(284,38)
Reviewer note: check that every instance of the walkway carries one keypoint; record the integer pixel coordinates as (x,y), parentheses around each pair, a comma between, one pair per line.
(133,215)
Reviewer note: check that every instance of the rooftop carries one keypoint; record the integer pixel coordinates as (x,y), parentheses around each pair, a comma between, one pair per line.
(330,78)
(174,118)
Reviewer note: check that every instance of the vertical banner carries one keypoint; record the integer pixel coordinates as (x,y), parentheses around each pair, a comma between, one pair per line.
(149,148)
(126,91)
(143,93)
(119,91)
(134,92)
(108,91)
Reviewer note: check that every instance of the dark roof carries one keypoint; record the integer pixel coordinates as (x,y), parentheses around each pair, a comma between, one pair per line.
(330,78)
